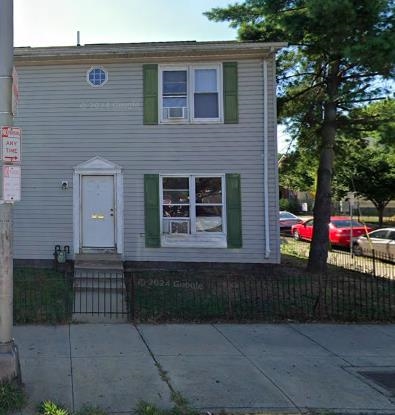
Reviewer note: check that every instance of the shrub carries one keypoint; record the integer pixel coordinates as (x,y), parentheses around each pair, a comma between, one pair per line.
(289,204)
(90,410)
(12,397)
(51,408)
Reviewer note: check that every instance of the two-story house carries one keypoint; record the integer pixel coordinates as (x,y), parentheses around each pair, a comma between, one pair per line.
(155,151)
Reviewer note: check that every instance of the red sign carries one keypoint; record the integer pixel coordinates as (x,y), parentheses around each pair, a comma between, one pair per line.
(11,144)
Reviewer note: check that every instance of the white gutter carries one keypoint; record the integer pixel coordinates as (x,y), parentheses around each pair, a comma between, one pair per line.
(265,161)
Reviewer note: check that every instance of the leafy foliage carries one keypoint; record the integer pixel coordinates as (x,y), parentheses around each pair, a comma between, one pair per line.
(51,408)
(180,408)
(41,295)
(372,175)
(91,410)
(297,171)
(338,52)
(289,204)
(366,155)
(12,397)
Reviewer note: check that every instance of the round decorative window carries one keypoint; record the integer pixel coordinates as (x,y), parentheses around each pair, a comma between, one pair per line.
(97,76)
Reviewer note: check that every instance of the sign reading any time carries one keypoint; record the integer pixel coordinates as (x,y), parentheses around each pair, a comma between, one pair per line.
(11,144)
(11,183)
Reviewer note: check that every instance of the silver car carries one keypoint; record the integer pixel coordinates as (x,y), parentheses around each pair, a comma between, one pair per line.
(287,219)
(381,240)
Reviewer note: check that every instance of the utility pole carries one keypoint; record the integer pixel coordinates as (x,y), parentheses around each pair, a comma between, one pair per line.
(9,358)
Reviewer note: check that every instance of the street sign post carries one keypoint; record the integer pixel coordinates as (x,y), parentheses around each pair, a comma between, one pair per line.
(11,144)
(11,183)
(9,356)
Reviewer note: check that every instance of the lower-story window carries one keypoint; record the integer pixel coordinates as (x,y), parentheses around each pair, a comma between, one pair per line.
(192,205)
(192,210)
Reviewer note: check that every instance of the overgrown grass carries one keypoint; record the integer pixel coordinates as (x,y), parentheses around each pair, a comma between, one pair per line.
(271,293)
(290,247)
(146,408)
(12,397)
(90,410)
(41,295)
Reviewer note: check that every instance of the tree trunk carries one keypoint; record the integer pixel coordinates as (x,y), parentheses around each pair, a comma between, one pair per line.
(322,206)
(380,211)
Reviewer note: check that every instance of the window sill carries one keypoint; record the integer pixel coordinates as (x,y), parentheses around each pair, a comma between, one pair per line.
(192,122)
(194,241)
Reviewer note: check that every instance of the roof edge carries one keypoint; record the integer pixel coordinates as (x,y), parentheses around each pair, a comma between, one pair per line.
(146,51)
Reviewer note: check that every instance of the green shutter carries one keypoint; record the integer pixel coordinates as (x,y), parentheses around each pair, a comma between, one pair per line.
(233,210)
(231,101)
(150,90)
(151,210)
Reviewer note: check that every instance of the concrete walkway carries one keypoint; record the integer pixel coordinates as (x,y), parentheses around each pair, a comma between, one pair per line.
(286,368)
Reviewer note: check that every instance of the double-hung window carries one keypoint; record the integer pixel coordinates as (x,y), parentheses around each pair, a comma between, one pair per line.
(205,87)
(190,94)
(174,94)
(192,208)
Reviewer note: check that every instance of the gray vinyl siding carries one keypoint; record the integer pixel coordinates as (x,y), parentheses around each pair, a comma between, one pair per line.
(66,122)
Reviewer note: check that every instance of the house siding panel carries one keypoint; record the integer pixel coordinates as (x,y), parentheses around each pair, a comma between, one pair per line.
(66,122)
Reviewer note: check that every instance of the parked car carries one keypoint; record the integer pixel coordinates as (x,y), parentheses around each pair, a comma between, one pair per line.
(287,219)
(339,230)
(381,240)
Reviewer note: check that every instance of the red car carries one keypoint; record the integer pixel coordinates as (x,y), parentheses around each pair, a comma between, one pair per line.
(339,230)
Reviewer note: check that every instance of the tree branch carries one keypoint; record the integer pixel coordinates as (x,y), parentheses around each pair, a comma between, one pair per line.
(303,92)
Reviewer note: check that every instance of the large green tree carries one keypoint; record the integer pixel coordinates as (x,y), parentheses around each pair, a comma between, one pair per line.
(338,51)
(373,177)
(297,171)
(366,157)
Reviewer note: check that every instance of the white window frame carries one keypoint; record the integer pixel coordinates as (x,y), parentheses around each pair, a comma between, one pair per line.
(218,68)
(161,107)
(190,119)
(194,239)
(93,68)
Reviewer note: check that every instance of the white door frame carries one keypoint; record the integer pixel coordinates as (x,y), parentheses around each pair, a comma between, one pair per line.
(98,166)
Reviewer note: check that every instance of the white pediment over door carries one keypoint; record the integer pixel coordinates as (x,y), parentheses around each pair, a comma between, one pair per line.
(98,164)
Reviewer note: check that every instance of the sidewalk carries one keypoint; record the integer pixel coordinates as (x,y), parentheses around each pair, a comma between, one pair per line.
(285,368)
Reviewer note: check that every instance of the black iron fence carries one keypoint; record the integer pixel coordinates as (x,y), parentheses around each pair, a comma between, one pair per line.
(278,293)
(181,296)
(42,296)
(374,263)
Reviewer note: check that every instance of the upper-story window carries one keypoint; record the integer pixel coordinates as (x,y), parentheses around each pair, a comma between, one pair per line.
(174,94)
(190,94)
(97,76)
(205,93)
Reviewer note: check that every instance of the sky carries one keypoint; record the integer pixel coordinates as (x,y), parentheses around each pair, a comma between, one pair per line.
(56,22)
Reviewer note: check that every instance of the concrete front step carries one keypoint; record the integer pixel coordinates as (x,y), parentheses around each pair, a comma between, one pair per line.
(100,293)
(95,279)
(99,265)
(98,286)
(99,306)
(98,274)
(98,257)
(105,262)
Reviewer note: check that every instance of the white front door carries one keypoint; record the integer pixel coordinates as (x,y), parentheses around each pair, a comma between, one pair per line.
(97,212)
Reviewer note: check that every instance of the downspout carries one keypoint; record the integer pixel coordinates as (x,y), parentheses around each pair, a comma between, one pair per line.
(265,161)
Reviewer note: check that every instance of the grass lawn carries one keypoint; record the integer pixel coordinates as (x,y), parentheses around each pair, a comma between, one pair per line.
(278,292)
(41,296)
